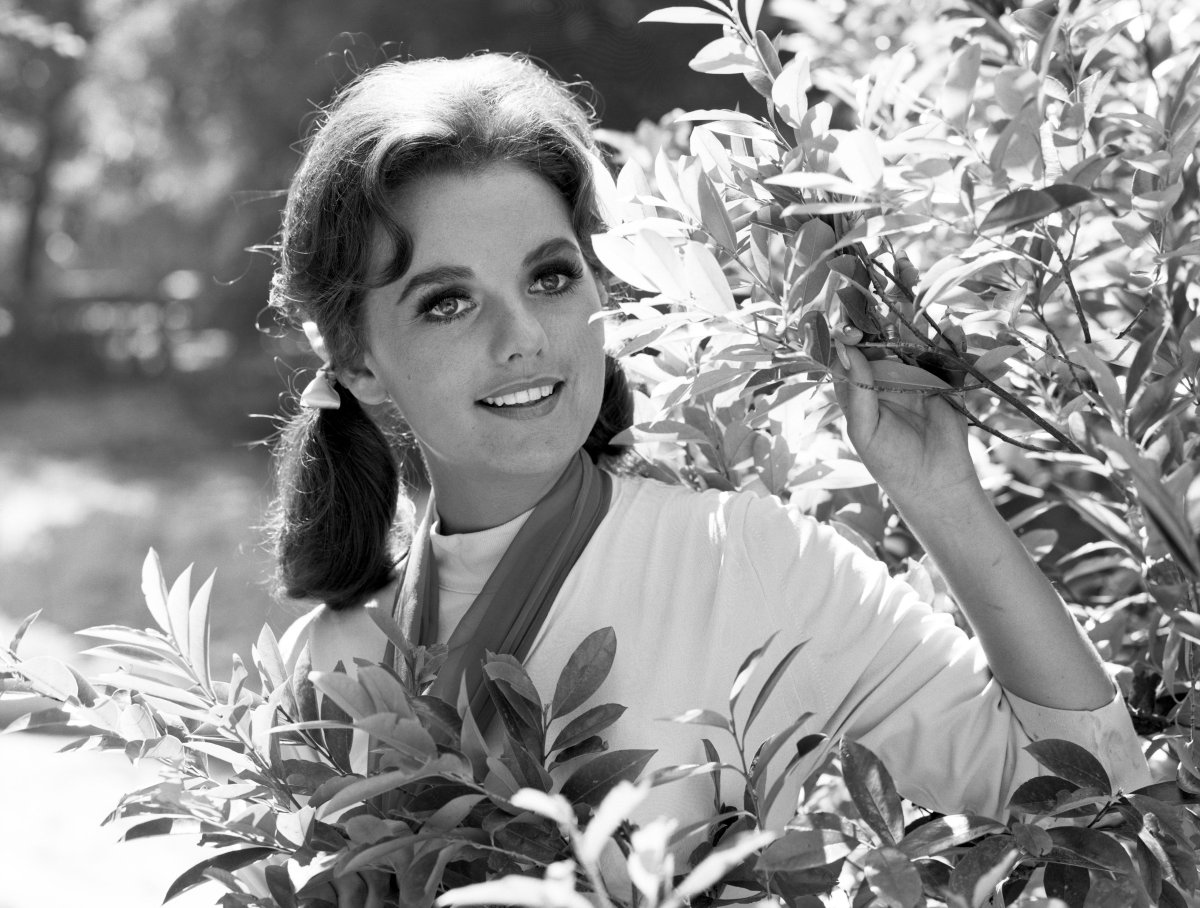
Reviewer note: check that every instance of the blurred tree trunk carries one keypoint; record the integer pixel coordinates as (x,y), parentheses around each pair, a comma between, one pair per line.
(66,72)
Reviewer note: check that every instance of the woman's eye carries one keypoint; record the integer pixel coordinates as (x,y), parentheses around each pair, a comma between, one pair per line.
(556,277)
(552,282)
(447,308)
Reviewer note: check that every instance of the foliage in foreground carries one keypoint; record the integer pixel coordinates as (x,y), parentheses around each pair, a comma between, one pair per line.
(544,818)
(1006,199)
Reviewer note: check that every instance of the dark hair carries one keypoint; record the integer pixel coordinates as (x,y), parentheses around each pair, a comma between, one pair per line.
(336,474)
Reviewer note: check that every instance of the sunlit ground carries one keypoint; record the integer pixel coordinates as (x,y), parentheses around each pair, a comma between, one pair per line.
(53,851)
(87,484)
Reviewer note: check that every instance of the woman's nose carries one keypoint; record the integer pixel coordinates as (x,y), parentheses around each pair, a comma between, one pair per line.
(519,332)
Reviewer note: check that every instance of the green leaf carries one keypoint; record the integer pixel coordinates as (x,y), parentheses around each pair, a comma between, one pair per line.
(513,675)
(178,603)
(1147,352)
(670,774)
(1093,846)
(50,677)
(21,629)
(982,868)
(337,740)
(753,11)
(42,718)
(746,671)
(1106,384)
(588,746)
(1189,347)
(1069,761)
(803,849)
(537,840)
(892,877)
(584,672)
(1033,840)
(959,89)
(790,91)
(521,721)
(198,631)
(385,690)
(524,763)
(706,281)
(1069,883)
(773,744)
(618,254)
(725,56)
(364,789)
(946,832)
(859,157)
(344,691)
(767,51)
(804,747)
(708,717)
(713,215)
(712,755)
(587,724)
(1025,206)
(1163,511)
(279,884)
(591,782)
(229,861)
(150,640)
(154,589)
(951,271)
(408,736)
(686,15)
(810,263)
(717,865)
(269,660)
(873,792)
(769,685)
(1039,794)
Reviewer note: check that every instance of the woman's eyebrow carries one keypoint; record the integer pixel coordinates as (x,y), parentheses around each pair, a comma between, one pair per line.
(441,274)
(548,248)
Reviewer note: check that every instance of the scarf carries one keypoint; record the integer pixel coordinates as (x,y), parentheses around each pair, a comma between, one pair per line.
(512,606)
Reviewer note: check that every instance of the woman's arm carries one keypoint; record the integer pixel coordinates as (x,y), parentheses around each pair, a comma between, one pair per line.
(915,446)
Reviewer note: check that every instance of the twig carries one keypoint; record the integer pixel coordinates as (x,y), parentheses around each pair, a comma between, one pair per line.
(980,424)
(1066,273)
(991,386)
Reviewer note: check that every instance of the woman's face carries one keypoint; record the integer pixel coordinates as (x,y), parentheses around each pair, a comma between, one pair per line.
(486,344)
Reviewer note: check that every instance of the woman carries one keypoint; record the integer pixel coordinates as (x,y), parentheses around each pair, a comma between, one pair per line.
(436,243)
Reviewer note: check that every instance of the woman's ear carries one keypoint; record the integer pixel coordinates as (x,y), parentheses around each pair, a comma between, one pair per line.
(363,383)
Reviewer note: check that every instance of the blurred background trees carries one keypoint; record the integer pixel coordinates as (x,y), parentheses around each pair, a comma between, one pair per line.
(144,140)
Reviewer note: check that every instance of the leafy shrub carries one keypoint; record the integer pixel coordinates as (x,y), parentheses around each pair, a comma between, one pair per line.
(1008,202)
(1005,200)
(528,822)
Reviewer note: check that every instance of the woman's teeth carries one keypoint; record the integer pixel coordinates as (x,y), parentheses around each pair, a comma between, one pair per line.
(529,395)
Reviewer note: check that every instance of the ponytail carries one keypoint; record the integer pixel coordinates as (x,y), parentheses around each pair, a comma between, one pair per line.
(616,414)
(337,486)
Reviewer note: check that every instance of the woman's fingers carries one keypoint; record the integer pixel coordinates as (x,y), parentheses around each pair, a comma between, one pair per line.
(855,385)
(377,888)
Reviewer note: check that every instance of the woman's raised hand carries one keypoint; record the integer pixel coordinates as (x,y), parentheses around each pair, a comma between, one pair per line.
(911,439)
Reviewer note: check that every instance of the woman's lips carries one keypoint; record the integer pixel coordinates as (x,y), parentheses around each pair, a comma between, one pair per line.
(535,400)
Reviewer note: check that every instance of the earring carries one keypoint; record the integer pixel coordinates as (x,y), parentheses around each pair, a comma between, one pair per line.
(320,393)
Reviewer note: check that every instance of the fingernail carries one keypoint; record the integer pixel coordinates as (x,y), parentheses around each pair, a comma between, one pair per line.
(841,354)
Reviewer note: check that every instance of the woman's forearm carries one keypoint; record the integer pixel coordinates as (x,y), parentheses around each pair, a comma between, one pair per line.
(1034,646)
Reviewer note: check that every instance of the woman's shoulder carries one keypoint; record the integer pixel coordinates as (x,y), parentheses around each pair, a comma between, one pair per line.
(338,635)
(720,514)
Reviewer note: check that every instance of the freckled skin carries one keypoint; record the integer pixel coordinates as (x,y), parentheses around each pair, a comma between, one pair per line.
(498,326)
